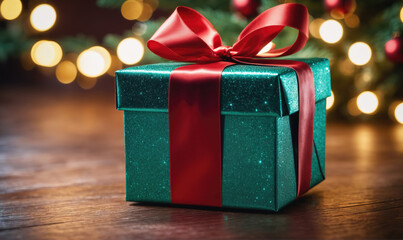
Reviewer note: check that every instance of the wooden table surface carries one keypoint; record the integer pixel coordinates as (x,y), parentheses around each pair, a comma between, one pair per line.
(62,177)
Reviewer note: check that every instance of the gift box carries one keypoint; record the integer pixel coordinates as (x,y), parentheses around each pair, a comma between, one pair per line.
(259,132)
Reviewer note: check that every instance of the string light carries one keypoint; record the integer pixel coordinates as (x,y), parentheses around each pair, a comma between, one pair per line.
(330,101)
(399,113)
(46,53)
(66,72)
(130,51)
(367,102)
(11,9)
(359,53)
(43,17)
(94,61)
(331,31)
(131,9)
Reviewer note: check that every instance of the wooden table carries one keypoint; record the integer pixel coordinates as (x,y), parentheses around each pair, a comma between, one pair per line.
(62,177)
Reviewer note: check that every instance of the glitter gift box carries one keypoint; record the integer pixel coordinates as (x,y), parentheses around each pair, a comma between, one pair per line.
(259,122)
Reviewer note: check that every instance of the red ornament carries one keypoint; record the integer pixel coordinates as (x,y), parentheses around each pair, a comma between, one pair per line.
(247,8)
(394,49)
(340,6)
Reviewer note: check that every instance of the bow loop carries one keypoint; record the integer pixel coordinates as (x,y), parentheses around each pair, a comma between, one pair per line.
(186,36)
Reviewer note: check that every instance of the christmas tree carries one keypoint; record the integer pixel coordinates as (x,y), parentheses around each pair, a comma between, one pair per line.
(362,40)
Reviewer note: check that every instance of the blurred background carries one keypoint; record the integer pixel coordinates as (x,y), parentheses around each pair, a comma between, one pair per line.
(75,45)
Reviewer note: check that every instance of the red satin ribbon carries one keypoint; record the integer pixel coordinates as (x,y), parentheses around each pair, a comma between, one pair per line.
(194,94)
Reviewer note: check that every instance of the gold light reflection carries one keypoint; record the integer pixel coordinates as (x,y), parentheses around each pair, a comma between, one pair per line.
(131,9)
(46,53)
(43,17)
(11,9)
(130,51)
(94,61)
(66,72)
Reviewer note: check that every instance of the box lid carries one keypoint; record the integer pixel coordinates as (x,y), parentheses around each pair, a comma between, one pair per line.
(245,89)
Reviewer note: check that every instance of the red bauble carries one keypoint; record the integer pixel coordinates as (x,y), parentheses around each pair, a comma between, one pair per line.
(247,8)
(340,6)
(394,49)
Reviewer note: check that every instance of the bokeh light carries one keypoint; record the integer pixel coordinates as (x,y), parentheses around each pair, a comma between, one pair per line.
(94,61)
(131,9)
(86,83)
(359,53)
(352,107)
(116,64)
(399,113)
(43,17)
(331,31)
(314,27)
(352,21)
(46,53)
(66,72)
(401,14)
(11,9)
(330,101)
(146,13)
(367,102)
(130,51)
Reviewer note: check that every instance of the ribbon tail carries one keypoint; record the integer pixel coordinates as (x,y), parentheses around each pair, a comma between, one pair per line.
(306,115)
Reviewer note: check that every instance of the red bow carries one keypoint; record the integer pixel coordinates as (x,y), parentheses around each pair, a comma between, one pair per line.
(187,36)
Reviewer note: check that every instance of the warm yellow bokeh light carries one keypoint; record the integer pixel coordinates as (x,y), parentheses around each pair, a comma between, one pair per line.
(352,21)
(94,61)
(401,14)
(367,102)
(359,53)
(66,72)
(399,113)
(43,17)
(132,9)
(330,101)
(86,83)
(116,64)
(331,31)
(130,51)
(11,9)
(46,53)
(146,13)
(314,27)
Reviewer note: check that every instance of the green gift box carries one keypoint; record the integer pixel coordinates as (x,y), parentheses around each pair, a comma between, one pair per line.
(259,122)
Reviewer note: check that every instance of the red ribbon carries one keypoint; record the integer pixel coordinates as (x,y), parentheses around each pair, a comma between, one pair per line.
(194,94)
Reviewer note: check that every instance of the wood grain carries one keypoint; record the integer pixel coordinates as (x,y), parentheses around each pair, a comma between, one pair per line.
(62,177)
